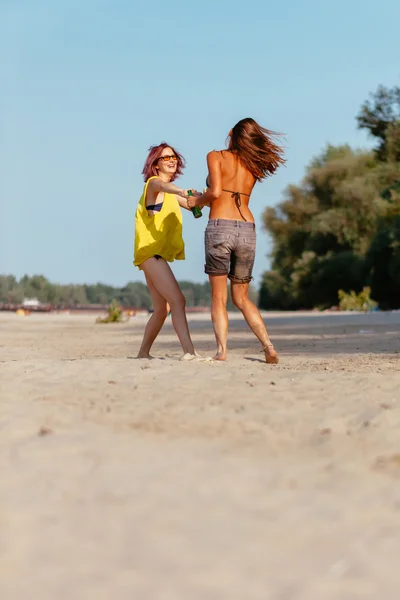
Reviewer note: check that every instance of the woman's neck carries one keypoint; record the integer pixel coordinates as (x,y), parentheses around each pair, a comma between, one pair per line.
(165,177)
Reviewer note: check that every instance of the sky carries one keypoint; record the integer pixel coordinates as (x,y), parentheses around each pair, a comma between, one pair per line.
(86,86)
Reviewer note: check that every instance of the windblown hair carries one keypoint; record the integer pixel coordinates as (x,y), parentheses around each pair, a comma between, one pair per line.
(150,166)
(255,148)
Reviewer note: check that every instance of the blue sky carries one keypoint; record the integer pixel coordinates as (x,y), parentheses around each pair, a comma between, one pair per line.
(87,86)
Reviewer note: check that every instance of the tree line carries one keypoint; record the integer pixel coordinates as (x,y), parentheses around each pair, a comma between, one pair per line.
(339,229)
(134,294)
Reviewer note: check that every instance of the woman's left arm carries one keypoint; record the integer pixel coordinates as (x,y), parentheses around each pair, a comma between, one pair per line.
(214,191)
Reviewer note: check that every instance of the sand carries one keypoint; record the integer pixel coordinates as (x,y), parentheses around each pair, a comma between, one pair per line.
(126,479)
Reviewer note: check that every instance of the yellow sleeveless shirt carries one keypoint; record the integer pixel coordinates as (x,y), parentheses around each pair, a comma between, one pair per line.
(160,233)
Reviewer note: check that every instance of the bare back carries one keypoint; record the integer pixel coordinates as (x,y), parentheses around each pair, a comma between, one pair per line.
(235,183)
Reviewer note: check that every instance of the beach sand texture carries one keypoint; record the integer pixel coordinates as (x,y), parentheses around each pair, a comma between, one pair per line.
(127,479)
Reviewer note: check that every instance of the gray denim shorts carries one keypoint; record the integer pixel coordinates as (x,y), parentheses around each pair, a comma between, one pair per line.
(230,249)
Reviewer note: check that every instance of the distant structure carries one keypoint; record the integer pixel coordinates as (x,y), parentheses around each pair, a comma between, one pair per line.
(31,303)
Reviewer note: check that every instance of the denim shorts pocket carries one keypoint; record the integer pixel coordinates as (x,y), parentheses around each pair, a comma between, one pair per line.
(217,238)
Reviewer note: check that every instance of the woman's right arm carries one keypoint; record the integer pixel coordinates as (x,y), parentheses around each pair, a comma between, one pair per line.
(158,185)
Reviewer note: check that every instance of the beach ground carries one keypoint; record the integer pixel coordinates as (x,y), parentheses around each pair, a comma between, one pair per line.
(163,480)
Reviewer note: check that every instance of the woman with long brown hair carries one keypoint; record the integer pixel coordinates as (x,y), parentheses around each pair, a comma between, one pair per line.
(230,237)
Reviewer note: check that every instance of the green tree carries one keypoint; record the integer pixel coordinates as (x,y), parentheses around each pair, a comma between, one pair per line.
(136,295)
(70,295)
(99,293)
(11,292)
(275,292)
(323,228)
(383,262)
(380,115)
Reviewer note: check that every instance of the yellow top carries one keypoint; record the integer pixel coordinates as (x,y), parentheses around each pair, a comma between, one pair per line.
(159,233)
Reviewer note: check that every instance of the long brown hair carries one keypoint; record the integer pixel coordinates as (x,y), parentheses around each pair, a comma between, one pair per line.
(255,148)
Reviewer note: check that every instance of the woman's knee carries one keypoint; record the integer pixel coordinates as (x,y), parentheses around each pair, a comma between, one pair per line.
(161,310)
(219,299)
(177,301)
(238,299)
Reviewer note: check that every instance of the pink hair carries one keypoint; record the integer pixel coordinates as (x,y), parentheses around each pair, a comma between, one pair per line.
(150,166)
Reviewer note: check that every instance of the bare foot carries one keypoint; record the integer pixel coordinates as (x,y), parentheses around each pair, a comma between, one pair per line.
(220,356)
(144,355)
(271,355)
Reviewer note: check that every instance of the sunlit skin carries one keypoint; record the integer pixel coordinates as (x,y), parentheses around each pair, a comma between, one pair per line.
(225,171)
(164,288)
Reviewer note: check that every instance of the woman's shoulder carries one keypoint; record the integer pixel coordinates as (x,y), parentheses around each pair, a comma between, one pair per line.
(151,183)
(224,153)
(215,154)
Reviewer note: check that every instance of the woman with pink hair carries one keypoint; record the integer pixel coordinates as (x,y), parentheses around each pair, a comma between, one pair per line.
(158,241)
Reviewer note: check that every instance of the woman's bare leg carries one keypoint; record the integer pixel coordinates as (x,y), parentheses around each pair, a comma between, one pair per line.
(240,298)
(159,273)
(219,315)
(156,320)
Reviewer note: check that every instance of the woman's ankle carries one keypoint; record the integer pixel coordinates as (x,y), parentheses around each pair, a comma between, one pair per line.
(188,350)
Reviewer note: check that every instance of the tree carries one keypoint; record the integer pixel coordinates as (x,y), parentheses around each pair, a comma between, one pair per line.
(339,228)
(380,115)
(70,295)
(135,294)
(275,292)
(323,227)
(99,293)
(11,292)
(383,263)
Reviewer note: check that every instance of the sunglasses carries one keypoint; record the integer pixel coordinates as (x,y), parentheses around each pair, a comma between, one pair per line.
(167,158)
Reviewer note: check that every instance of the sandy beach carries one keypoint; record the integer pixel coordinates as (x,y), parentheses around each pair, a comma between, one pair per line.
(128,479)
